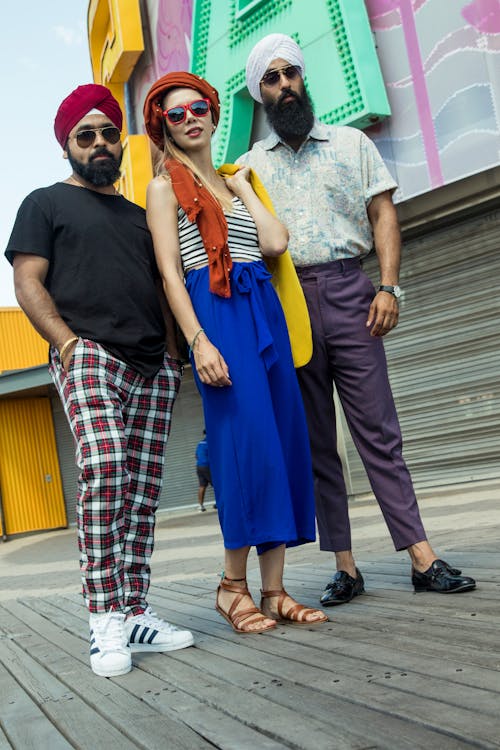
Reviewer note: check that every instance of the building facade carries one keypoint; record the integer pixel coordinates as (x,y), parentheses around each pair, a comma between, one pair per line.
(422,78)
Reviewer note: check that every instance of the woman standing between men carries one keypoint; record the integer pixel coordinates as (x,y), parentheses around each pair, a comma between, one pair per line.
(210,234)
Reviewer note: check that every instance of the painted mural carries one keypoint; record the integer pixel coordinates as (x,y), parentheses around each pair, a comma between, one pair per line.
(441,65)
(167,47)
(440,61)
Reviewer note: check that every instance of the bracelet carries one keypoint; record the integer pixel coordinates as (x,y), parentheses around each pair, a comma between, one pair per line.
(65,346)
(193,342)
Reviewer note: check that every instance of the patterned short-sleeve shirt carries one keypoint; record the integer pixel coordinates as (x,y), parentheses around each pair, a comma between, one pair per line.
(322,191)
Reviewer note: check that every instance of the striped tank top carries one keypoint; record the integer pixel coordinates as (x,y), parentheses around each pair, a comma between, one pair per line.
(242,238)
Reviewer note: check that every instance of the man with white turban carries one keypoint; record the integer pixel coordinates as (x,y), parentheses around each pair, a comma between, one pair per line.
(332,190)
(271,47)
(85,276)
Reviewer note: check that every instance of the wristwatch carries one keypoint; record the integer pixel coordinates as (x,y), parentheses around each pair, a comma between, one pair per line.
(394,290)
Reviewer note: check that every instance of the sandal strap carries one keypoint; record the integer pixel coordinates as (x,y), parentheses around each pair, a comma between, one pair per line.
(241,618)
(281,593)
(268,594)
(299,612)
(234,589)
(296,613)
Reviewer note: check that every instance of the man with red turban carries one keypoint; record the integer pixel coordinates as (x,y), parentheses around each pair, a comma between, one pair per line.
(86,277)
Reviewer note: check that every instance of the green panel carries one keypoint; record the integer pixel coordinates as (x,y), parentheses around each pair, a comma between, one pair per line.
(343,74)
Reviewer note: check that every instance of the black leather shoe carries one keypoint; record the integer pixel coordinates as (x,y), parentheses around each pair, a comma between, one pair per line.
(442,578)
(342,588)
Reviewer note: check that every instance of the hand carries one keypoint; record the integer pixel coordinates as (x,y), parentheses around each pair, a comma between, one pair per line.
(239,181)
(68,356)
(383,314)
(210,364)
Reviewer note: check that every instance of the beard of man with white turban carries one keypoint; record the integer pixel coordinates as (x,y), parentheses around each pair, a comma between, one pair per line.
(293,119)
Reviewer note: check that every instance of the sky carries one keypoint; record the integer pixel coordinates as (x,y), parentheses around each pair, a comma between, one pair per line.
(43,57)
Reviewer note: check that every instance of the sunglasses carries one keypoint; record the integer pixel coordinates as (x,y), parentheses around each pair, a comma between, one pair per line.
(272,77)
(86,138)
(198,108)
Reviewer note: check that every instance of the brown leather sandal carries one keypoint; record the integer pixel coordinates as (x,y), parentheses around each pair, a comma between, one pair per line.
(241,620)
(295,615)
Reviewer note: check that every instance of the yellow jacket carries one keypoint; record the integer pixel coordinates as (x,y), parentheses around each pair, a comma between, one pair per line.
(286,283)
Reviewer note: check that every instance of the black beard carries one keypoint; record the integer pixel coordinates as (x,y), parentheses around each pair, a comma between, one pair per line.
(293,119)
(98,173)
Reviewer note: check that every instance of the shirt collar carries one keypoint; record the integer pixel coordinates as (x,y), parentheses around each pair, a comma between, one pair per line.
(319,132)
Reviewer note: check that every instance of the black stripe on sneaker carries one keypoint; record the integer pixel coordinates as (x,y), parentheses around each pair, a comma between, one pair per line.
(133,634)
(152,636)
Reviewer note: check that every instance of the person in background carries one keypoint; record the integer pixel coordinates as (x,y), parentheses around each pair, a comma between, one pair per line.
(211,232)
(332,190)
(86,277)
(203,470)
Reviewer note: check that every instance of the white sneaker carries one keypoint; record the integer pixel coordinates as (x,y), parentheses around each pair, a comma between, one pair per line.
(110,654)
(148,632)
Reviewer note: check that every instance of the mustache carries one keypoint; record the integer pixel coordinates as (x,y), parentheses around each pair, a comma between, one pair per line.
(101,151)
(288,92)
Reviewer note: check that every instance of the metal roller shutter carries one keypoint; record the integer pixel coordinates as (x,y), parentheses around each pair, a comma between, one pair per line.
(66,453)
(444,357)
(180,483)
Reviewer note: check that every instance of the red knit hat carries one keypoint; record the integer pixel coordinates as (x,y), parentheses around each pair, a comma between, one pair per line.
(79,103)
(153,117)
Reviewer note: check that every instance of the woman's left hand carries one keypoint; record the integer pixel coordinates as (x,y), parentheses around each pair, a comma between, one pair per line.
(210,364)
(239,181)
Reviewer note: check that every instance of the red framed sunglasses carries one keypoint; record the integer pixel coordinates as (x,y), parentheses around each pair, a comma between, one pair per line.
(198,108)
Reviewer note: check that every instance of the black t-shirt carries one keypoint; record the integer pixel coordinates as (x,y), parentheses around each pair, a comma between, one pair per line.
(102,270)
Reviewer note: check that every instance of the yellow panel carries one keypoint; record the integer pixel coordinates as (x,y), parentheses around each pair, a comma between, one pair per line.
(30,480)
(115,39)
(21,345)
(136,168)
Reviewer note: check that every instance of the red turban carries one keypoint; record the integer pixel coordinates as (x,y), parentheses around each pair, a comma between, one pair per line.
(79,103)
(153,117)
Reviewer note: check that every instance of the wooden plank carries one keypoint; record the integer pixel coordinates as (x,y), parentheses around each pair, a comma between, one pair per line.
(235,703)
(218,728)
(4,742)
(327,717)
(385,569)
(68,713)
(22,720)
(295,716)
(388,672)
(413,633)
(312,703)
(100,696)
(385,676)
(481,701)
(280,724)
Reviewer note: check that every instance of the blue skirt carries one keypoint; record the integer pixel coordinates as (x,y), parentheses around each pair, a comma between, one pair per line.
(256,428)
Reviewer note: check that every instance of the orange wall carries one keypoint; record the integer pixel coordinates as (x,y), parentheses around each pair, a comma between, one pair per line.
(20,345)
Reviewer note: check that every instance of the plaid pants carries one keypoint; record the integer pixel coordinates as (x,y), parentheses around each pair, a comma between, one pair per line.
(120,421)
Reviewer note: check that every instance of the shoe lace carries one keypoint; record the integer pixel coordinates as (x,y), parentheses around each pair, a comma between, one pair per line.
(110,631)
(151,620)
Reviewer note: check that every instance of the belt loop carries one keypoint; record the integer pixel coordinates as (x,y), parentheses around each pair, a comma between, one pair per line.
(342,266)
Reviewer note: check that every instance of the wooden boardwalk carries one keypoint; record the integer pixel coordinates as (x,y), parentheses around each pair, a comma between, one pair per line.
(393,669)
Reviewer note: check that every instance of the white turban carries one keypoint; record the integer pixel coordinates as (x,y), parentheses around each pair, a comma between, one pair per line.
(268,49)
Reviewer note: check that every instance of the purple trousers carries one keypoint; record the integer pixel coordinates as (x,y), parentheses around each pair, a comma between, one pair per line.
(338,296)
